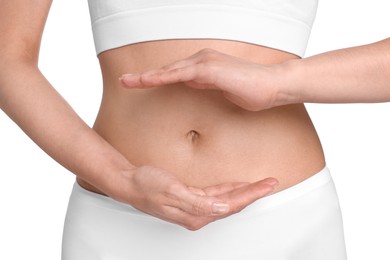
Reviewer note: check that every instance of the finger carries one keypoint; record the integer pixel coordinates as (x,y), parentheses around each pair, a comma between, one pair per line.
(173,76)
(241,195)
(200,205)
(198,76)
(197,191)
(223,188)
(238,199)
(219,189)
(150,78)
(189,61)
(139,80)
(192,60)
(195,75)
(161,78)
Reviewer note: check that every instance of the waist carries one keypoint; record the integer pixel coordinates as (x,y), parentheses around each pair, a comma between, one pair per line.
(205,140)
(197,134)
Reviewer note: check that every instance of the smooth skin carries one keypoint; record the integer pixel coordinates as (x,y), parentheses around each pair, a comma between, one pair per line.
(30,100)
(358,74)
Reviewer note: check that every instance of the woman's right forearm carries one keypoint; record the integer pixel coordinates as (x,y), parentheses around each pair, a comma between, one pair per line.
(29,99)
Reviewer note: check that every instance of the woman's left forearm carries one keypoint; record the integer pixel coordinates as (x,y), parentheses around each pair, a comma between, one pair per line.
(358,74)
(352,75)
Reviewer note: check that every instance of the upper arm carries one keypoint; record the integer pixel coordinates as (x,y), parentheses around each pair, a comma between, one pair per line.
(21,27)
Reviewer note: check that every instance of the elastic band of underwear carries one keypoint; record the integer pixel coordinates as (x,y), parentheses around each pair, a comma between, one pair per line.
(314,182)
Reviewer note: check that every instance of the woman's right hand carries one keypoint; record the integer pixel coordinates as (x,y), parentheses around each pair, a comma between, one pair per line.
(160,194)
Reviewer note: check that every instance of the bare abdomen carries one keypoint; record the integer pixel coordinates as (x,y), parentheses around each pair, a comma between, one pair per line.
(197,134)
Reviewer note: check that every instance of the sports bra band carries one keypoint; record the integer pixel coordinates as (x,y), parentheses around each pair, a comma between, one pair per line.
(280,24)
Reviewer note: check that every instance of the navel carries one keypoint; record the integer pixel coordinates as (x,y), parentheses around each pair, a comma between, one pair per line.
(193,136)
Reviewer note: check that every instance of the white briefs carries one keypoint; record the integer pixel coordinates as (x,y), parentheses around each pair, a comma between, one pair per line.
(302,222)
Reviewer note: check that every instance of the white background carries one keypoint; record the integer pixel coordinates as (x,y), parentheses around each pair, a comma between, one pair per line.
(34,189)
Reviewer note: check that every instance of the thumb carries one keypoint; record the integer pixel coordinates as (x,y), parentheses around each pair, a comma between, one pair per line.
(205,206)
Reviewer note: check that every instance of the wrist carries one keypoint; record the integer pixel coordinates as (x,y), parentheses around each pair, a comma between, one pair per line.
(119,185)
(290,87)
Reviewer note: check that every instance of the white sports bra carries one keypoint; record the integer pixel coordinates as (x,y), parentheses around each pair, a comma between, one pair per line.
(279,24)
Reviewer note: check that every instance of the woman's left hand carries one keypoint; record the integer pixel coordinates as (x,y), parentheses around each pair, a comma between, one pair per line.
(249,85)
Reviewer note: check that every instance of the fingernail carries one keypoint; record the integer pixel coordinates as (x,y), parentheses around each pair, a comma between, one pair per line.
(125,76)
(272,182)
(220,208)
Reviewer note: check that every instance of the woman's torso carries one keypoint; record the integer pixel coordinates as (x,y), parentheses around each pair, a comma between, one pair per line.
(197,134)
